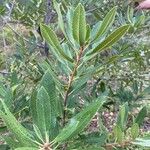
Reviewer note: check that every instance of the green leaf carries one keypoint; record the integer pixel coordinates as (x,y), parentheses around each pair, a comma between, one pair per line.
(49,84)
(33,106)
(52,104)
(2,10)
(123,116)
(11,141)
(67,131)
(22,135)
(4,147)
(3,129)
(135,87)
(140,20)
(79,25)
(107,22)
(46,121)
(130,12)
(51,38)
(60,17)
(110,40)
(42,96)
(81,120)
(80,82)
(46,65)
(88,32)
(61,24)
(119,135)
(7,95)
(69,20)
(134,131)
(2,90)
(94,138)
(38,133)
(141,115)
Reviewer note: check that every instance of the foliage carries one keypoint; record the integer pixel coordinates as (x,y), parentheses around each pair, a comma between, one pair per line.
(93,65)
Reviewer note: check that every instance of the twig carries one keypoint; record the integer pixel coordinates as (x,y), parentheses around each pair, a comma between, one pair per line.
(71,78)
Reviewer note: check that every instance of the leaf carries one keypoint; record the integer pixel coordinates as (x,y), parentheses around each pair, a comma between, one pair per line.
(60,17)
(69,20)
(11,141)
(88,32)
(135,87)
(4,147)
(67,131)
(134,131)
(2,90)
(46,65)
(33,106)
(141,115)
(107,22)
(3,129)
(110,40)
(51,38)
(49,84)
(123,116)
(140,20)
(52,105)
(80,82)
(2,10)
(79,25)
(7,95)
(81,120)
(119,135)
(61,24)
(94,138)
(130,12)
(46,116)
(22,135)
(38,133)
